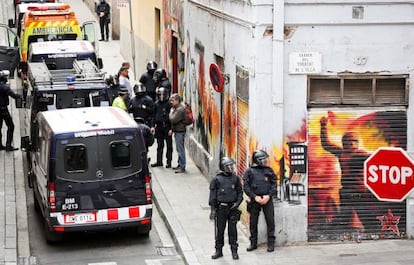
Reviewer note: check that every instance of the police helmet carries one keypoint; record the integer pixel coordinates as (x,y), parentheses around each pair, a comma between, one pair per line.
(151,66)
(259,157)
(159,74)
(139,120)
(226,165)
(140,89)
(162,93)
(4,74)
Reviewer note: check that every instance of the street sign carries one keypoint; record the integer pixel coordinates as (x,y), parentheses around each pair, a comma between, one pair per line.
(216,77)
(121,4)
(389,174)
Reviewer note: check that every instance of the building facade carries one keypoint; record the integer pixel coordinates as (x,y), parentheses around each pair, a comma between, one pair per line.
(320,85)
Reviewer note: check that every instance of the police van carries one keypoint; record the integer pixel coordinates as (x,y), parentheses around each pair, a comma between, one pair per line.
(90,171)
(81,86)
(61,54)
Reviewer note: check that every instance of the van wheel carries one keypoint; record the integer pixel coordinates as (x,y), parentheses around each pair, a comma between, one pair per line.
(143,231)
(51,236)
(144,234)
(30,177)
(36,202)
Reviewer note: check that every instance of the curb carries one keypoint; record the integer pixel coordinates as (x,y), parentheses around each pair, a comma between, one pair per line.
(177,232)
(22,227)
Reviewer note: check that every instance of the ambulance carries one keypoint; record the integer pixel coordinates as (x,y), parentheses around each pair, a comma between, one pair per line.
(22,8)
(47,22)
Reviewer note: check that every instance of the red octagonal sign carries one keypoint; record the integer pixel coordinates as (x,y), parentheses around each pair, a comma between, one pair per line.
(389,174)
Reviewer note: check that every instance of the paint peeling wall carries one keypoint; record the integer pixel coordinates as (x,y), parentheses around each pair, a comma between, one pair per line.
(346,44)
(373,37)
(235,31)
(264,102)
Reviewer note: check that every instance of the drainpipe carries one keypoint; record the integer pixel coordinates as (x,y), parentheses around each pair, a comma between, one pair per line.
(278,68)
(132,40)
(278,51)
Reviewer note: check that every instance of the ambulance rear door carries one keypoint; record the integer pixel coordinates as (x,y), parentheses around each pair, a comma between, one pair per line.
(89,33)
(9,49)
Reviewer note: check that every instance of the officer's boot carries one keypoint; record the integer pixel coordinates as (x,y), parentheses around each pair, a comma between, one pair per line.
(218,254)
(253,246)
(270,247)
(234,254)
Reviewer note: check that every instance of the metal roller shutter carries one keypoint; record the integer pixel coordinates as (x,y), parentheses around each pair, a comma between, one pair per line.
(339,205)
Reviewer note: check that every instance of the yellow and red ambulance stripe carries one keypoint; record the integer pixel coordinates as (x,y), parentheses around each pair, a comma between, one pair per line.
(50,24)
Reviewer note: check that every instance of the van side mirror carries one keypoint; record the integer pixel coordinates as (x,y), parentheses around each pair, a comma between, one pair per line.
(25,143)
(100,63)
(11,23)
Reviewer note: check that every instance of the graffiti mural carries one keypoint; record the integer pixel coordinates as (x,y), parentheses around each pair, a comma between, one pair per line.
(340,206)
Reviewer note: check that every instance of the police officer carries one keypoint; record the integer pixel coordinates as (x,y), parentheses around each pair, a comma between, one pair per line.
(260,186)
(161,80)
(226,194)
(146,132)
(5,116)
(147,79)
(103,11)
(161,125)
(141,105)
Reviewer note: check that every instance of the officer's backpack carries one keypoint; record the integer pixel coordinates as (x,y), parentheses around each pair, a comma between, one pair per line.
(189,117)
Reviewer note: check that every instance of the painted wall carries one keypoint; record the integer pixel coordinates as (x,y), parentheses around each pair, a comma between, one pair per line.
(375,37)
(352,38)
(339,203)
(231,30)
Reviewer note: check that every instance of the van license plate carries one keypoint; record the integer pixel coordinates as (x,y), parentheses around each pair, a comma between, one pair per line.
(81,218)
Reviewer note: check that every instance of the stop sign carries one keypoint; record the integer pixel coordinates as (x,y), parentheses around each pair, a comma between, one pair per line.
(389,174)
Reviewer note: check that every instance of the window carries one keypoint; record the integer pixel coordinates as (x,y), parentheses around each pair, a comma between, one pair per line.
(75,158)
(360,90)
(121,154)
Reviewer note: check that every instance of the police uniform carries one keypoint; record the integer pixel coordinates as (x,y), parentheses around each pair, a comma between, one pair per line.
(103,10)
(5,92)
(260,180)
(142,106)
(147,80)
(226,194)
(161,123)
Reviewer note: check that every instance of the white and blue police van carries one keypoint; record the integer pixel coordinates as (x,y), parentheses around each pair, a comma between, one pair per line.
(58,55)
(89,171)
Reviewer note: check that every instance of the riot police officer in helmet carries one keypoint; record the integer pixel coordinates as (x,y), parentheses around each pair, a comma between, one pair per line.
(161,125)
(226,194)
(260,185)
(161,79)
(141,105)
(147,79)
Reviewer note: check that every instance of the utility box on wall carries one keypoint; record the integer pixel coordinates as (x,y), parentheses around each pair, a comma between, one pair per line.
(295,184)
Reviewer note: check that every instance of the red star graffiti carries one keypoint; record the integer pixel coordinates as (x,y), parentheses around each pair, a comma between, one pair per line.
(390,222)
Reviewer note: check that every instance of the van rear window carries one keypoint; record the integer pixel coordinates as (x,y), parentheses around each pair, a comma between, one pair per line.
(75,158)
(121,154)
